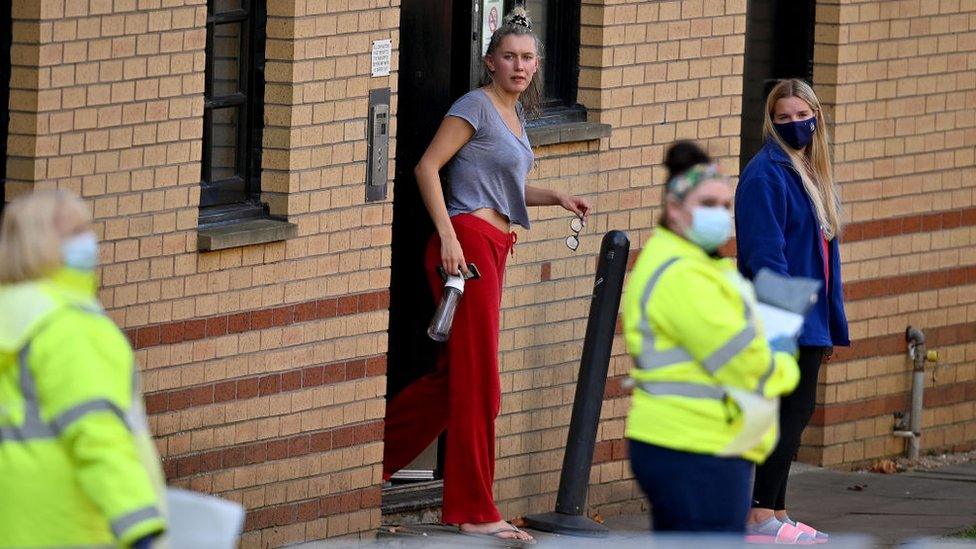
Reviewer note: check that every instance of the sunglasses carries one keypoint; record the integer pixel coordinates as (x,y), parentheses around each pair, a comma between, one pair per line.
(576,225)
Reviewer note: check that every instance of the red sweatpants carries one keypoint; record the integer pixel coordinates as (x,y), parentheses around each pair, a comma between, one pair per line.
(463,395)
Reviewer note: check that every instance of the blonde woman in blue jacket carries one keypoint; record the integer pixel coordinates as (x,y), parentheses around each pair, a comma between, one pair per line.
(787,217)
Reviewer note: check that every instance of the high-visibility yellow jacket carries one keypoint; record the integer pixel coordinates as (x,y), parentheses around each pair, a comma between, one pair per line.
(689,325)
(78,467)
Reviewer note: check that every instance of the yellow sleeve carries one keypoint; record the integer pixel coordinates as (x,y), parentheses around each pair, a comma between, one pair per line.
(83,367)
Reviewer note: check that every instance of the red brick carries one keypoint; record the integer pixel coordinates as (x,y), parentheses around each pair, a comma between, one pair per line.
(239,322)
(348,305)
(384,300)
(545,272)
(225,390)
(312,377)
(172,332)
(344,436)
(270,385)
(283,316)
(217,326)
(376,366)
(277,449)
(327,308)
(255,453)
(261,319)
(309,510)
(291,380)
(333,373)
(194,329)
(248,388)
(299,446)
(306,311)
(156,403)
(355,369)
(320,442)
(147,337)
(233,456)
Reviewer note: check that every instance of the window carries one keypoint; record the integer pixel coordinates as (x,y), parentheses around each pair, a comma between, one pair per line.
(233,111)
(557,24)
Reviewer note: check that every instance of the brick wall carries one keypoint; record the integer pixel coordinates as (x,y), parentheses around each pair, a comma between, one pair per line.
(899,83)
(263,365)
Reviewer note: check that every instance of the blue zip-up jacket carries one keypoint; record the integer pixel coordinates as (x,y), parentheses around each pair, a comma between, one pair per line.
(776,227)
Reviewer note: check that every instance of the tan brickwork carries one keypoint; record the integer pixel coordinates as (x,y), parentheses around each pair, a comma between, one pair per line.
(263,365)
(899,84)
(107,100)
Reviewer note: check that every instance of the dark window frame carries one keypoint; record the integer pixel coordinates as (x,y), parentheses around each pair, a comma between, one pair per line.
(237,197)
(6,25)
(561,50)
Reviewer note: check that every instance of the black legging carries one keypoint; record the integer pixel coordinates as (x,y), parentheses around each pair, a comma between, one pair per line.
(795,410)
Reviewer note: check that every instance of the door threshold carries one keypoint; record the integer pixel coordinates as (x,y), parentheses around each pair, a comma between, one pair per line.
(412,496)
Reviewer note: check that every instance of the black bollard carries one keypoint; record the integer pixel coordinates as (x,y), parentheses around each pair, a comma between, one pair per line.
(574,481)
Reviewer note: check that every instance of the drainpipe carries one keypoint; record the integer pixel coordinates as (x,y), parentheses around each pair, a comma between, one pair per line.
(919,356)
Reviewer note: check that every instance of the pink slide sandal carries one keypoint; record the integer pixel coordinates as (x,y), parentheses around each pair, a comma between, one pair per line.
(774,531)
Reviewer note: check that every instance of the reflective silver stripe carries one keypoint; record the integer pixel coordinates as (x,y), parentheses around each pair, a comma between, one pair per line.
(650,358)
(75,413)
(761,386)
(122,524)
(732,347)
(692,390)
(33,427)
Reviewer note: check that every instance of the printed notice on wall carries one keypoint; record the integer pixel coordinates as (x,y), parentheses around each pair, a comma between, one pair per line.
(381,57)
(491,18)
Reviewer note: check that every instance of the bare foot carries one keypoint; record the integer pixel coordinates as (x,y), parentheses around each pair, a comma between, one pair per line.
(500,530)
(758,514)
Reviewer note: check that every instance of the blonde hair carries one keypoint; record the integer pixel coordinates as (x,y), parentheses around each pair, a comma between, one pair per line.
(814,167)
(517,23)
(31,233)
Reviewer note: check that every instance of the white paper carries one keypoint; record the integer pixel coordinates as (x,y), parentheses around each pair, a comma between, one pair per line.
(758,415)
(381,57)
(200,520)
(779,322)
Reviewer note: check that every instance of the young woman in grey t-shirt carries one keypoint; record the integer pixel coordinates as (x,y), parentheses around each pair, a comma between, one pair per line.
(483,145)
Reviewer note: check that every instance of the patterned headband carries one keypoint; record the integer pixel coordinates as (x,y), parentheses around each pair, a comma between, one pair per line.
(519,20)
(680,185)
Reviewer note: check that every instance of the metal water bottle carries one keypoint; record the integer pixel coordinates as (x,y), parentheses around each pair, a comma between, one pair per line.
(440,325)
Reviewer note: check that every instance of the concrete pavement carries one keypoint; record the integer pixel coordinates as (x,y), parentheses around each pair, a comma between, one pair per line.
(858,509)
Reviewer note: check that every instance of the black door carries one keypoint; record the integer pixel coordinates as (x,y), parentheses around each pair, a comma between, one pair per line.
(435,69)
(6,34)
(779,44)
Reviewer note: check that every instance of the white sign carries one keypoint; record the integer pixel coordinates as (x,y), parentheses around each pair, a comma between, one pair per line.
(491,19)
(381,57)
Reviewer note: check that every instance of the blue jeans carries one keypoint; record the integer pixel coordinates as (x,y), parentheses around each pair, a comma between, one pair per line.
(692,492)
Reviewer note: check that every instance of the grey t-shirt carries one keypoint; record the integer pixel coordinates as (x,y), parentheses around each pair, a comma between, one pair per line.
(489,171)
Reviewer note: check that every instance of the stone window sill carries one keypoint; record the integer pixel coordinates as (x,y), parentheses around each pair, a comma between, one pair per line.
(233,234)
(567,132)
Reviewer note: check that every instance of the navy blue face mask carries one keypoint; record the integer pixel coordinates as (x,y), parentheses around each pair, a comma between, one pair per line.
(797,134)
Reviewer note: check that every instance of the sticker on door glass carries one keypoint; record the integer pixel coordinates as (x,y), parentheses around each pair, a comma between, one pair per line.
(491,19)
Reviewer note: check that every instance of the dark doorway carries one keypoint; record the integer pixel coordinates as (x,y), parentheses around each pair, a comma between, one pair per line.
(6,34)
(779,44)
(435,69)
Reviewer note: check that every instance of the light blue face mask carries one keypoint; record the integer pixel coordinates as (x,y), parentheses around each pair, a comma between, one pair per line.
(80,251)
(710,227)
